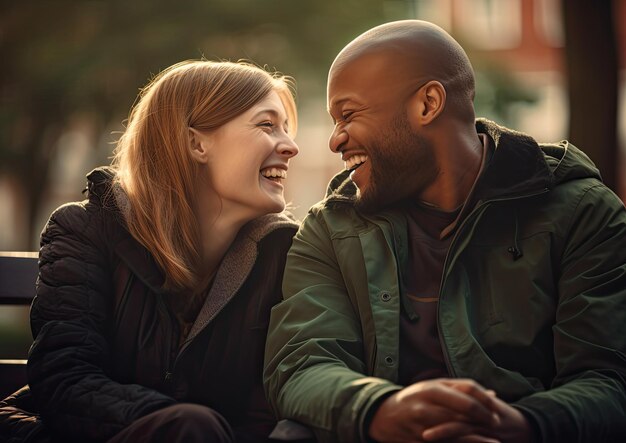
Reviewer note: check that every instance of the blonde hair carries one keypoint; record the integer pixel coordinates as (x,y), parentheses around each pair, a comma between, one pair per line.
(153,162)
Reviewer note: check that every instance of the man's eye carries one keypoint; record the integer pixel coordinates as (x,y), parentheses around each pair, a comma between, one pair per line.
(346,115)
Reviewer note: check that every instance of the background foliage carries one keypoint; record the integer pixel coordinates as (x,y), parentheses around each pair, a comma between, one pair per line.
(66,59)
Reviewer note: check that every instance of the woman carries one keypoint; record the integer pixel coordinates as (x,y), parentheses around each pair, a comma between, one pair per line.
(154,294)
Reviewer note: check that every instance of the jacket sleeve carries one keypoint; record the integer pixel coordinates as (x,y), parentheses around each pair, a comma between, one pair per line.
(587,401)
(314,360)
(69,360)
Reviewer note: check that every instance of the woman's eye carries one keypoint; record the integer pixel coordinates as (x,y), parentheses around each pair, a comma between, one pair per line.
(266,124)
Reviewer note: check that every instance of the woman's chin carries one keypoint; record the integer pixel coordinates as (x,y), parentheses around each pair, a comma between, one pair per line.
(279,206)
(273,205)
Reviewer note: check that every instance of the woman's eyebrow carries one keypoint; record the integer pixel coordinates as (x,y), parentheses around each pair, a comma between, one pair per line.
(274,113)
(271,111)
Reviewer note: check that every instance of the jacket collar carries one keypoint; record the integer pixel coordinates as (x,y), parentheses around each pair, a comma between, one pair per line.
(517,167)
(236,266)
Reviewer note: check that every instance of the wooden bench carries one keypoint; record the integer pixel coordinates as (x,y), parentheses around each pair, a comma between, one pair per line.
(18,273)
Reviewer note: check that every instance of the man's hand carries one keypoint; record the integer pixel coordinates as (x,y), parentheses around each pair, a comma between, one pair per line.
(512,428)
(405,415)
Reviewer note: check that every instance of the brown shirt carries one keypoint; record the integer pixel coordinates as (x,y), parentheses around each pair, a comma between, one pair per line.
(420,351)
(430,232)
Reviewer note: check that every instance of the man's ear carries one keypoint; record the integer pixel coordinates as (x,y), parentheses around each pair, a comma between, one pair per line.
(427,103)
(199,145)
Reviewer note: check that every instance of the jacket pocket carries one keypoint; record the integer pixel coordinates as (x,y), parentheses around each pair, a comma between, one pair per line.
(512,288)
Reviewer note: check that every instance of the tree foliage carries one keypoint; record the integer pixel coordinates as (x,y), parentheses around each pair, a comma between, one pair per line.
(65,57)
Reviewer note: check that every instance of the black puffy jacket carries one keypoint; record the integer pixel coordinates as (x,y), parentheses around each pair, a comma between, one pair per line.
(106,349)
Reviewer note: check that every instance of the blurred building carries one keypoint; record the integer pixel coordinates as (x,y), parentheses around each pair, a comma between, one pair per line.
(526,37)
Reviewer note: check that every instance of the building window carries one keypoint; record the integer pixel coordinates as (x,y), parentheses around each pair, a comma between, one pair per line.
(548,22)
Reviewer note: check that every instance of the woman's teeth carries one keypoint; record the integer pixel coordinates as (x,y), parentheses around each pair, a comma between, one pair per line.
(274,173)
(355,161)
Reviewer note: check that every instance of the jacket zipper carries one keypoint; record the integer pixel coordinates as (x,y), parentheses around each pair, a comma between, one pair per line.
(169,372)
(442,342)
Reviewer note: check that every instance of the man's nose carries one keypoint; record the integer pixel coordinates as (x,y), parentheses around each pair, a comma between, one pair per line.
(338,138)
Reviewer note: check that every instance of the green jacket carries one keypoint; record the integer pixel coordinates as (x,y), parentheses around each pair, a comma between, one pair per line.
(531,304)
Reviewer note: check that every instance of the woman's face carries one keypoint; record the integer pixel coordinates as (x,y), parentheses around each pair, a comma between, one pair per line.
(247,160)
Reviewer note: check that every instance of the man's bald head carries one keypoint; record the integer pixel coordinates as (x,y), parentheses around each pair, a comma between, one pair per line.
(420,51)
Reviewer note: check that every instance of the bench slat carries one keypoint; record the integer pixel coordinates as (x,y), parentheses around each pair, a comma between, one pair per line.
(18,273)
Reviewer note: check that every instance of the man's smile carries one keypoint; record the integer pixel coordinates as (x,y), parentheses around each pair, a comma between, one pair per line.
(354,161)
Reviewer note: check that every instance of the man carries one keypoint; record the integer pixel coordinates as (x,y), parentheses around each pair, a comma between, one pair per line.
(459,282)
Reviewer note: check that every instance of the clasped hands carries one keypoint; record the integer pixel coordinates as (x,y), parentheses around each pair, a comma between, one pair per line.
(448,410)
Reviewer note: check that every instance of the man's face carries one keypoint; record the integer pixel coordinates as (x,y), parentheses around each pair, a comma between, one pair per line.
(390,161)
(402,165)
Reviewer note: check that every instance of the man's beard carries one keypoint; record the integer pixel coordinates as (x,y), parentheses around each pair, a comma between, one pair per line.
(402,165)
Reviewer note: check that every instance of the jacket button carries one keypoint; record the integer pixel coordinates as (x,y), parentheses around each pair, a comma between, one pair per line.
(389,360)
(385,296)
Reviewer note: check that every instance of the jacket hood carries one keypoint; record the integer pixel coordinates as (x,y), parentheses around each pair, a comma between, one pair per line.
(518,166)
(567,162)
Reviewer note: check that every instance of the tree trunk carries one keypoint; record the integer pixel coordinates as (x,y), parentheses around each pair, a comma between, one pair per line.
(33,169)
(592,75)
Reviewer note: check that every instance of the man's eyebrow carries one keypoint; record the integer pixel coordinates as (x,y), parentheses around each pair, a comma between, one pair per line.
(336,103)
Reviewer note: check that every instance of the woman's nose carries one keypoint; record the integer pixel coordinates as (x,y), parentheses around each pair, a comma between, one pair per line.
(289,148)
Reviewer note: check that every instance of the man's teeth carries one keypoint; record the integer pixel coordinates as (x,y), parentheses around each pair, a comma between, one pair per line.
(355,160)
(274,173)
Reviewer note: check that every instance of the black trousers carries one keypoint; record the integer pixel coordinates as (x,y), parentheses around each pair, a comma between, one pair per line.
(180,423)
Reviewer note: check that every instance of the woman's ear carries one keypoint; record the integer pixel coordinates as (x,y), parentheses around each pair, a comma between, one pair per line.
(199,145)
(427,103)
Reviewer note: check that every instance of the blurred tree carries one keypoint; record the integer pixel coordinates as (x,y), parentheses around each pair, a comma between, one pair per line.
(65,57)
(592,82)
(497,90)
